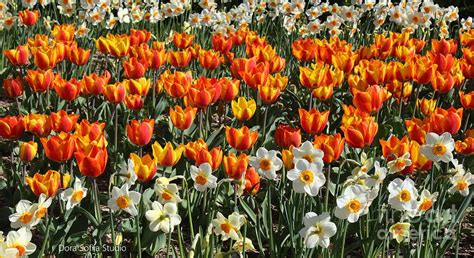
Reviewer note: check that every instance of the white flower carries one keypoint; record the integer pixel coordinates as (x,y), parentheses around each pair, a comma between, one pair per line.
(427,200)
(266,163)
(24,215)
(308,152)
(307,177)
(129,174)
(202,177)
(228,227)
(111,22)
(73,195)
(239,244)
(461,183)
(67,10)
(28,3)
(43,204)
(166,191)
(403,195)
(400,163)
(352,203)
(21,241)
(438,147)
(88,4)
(163,217)
(155,15)
(96,16)
(123,15)
(123,199)
(377,178)
(82,30)
(397,14)
(366,164)
(400,231)
(317,230)
(8,252)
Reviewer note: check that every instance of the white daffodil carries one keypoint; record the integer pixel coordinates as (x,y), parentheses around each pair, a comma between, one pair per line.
(28,3)
(73,195)
(307,177)
(352,203)
(399,164)
(266,163)
(202,177)
(403,194)
(438,147)
(163,217)
(82,30)
(24,215)
(128,173)
(123,199)
(308,152)
(427,200)
(243,242)
(123,15)
(400,231)
(21,241)
(8,252)
(43,204)
(166,191)
(461,183)
(377,178)
(366,164)
(317,230)
(228,227)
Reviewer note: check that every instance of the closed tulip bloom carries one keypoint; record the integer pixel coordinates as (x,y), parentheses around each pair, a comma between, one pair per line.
(446,120)
(313,121)
(331,145)
(252,181)
(63,122)
(28,151)
(443,46)
(276,64)
(240,139)
(360,133)
(114,93)
(139,86)
(46,57)
(140,133)
(213,157)
(176,84)
(287,157)
(63,32)
(304,50)
(138,37)
(167,155)
(12,127)
(28,18)
(204,92)
(444,63)
(38,124)
(77,55)
(344,61)
(286,136)
(394,147)
(182,118)
(239,65)
(94,84)
(424,70)
(467,99)
(466,146)
(417,129)
(242,109)
(427,106)
(193,148)
(269,92)
(39,81)
(257,76)
(221,43)
(134,102)
(92,162)
(370,100)
(118,45)
(180,58)
(67,90)
(89,134)
(229,89)
(59,148)
(442,82)
(144,167)
(323,93)
(17,56)
(235,166)
(182,40)
(48,183)
(158,58)
(13,87)
(134,68)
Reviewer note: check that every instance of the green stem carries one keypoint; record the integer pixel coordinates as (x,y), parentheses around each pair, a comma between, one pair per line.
(270,222)
(46,236)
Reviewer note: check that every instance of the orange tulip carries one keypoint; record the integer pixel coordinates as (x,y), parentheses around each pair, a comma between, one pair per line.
(229,89)
(167,156)
(394,147)
(221,43)
(255,76)
(39,81)
(176,84)
(443,46)
(276,64)
(446,120)
(466,146)
(179,58)
(372,71)
(77,55)
(444,63)
(48,183)
(63,122)
(427,106)
(344,61)
(59,148)
(67,90)
(114,93)
(63,32)
(137,86)
(400,90)
(419,161)
(467,38)
(270,91)
(240,65)
(134,68)
(46,57)
(134,102)
(370,100)
(424,70)
(116,45)
(28,151)
(286,136)
(17,56)
(182,40)
(138,37)
(204,92)
(359,134)
(140,133)
(242,109)
(323,93)
(39,40)
(442,82)
(13,87)
(262,54)
(144,167)
(287,158)
(235,166)
(313,121)
(240,139)
(12,127)
(88,135)
(252,181)
(331,145)
(467,99)
(209,60)
(193,148)
(213,157)
(93,162)
(304,49)
(158,58)
(38,124)
(94,84)
(28,18)
(417,129)
(182,118)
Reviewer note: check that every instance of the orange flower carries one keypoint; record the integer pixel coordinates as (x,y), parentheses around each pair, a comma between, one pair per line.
(114,93)
(144,167)
(240,65)
(261,53)
(400,90)
(116,45)
(28,18)
(323,93)
(140,133)
(180,58)
(372,71)
(427,106)
(63,32)
(137,86)
(28,151)
(38,40)
(182,118)
(176,84)
(88,135)
(465,147)
(229,89)
(134,102)
(359,134)
(77,55)
(331,145)
(93,162)
(138,37)
(13,87)
(204,92)
(240,139)
(39,81)
(193,148)
(48,183)
(213,157)
(12,127)
(467,38)
(63,122)
(252,181)
(158,58)
(444,63)
(46,57)
(313,121)
(270,91)
(419,161)
(221,43)
(67,90)
(255,76)
(134,68)
(167,156)
(344,61)
(394,147)
(467,100)
(38,124)
(276,64)
(182,40)
(446,120)
(417,129)
(444,46)
(287,158)
(424,70)
(242,109)
(59,148)
(235,166)
(304,49)
(17,56)
(286,136)
(442,82)
(94,84)
(370,100)
(209,60)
